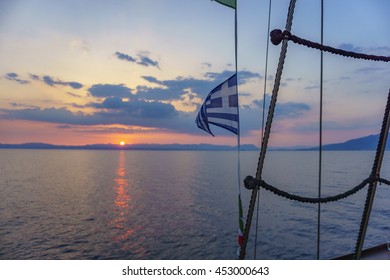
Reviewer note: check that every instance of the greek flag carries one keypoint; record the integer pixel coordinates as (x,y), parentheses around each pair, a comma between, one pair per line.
(220,107)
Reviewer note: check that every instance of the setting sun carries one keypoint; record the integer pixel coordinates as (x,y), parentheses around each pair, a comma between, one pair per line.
(122,143)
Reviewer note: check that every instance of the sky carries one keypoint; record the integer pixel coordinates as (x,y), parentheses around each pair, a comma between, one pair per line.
(83,72)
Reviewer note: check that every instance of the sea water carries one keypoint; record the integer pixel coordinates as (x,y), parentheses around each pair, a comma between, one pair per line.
(84,204)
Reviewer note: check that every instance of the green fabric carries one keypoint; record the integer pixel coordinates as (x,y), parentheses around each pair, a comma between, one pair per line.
(229,3)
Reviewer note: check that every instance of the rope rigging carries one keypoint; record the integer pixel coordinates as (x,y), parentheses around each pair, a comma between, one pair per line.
(255,184)
(251,183)
(267,130)
(376,167)
(371,181)
(277,36)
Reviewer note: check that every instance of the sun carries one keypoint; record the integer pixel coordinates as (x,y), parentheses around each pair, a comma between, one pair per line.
(122,143)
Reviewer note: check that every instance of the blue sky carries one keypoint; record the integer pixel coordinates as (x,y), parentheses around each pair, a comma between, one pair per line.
(78,72)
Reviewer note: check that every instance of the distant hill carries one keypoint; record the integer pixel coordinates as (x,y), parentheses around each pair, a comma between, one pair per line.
(169,147)
(359,144)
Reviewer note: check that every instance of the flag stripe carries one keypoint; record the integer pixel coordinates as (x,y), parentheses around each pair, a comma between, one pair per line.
(228,110)
(232,81)
(228,127)
(218,88)
(201,120)
(224,123)
(223,116)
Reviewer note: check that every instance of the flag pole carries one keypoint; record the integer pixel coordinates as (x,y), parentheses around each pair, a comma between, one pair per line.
(233,4)
(240,212)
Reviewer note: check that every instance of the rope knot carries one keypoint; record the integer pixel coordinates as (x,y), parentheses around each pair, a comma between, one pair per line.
(373,179)
(277,36)
(251,183)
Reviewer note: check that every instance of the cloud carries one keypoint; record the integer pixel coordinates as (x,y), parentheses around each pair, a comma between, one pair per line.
(110,90)
(243,76)
(34,77)
(136,108)
(380,50)
(50,81)
(78,106)
(73,94)
(150,114)
(123,56)
(64,126)
(152,80)
(149,108)
(140,59)
(374,50)
(51,115)
(17,104)
(80,44)
(285,110)
(206,64)
(174,89)
(291,109)
(349,47)
(340,125)
(14,77)
(112,103)
(146,61)
(369,69)
(98,129)
(312,87)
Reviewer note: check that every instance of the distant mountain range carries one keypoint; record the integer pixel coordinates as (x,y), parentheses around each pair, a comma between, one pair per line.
(168,147)
(359,144)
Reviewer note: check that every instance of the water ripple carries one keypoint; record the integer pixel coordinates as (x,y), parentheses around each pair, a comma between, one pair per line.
(175,205)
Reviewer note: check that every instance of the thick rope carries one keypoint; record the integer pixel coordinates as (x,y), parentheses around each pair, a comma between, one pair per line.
(278,36)
(374,173)
(267,131)
(251,183)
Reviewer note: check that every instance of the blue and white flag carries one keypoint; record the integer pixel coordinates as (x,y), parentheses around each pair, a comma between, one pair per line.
(221,107)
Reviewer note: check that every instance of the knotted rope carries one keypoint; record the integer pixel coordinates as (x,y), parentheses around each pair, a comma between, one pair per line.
(267,130)
(376,167)
(251,183)
(277,36)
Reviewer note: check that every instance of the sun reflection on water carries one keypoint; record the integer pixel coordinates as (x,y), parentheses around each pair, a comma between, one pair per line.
(122,201)
(125,225)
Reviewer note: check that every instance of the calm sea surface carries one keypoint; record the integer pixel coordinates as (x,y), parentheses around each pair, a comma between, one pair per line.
(65,204)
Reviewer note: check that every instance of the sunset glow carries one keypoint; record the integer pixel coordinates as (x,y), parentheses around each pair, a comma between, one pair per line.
(73,80)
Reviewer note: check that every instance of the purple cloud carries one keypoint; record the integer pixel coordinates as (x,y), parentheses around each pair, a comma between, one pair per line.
(15,77)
